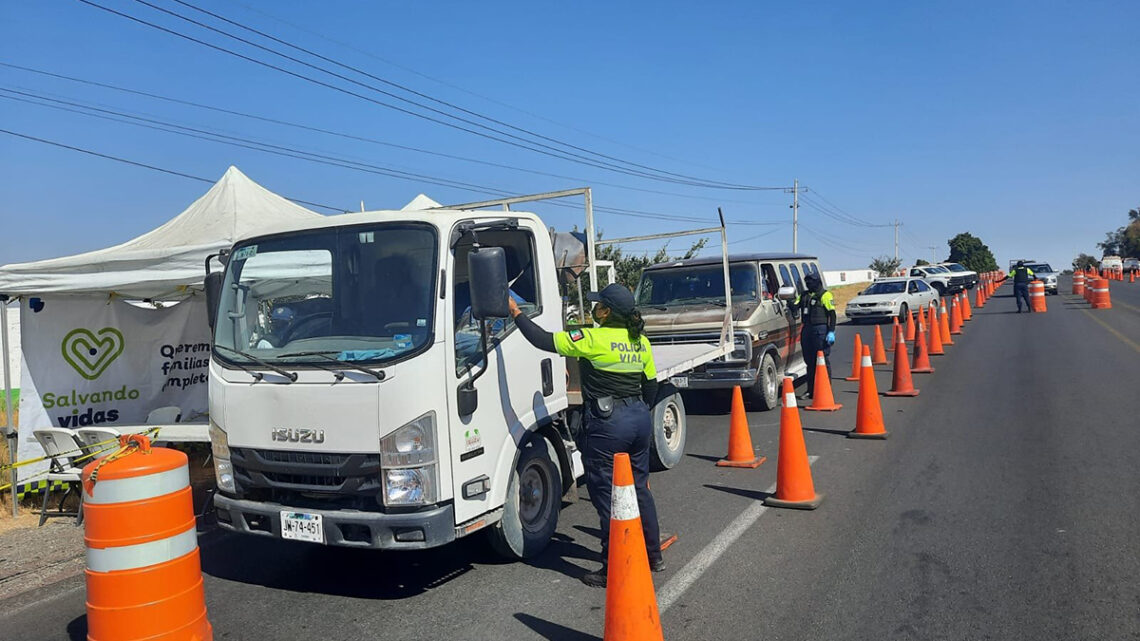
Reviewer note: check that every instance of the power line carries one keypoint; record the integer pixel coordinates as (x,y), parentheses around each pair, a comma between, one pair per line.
(502,137)
(354,137)
(429,97)
(146,166)
(841,211)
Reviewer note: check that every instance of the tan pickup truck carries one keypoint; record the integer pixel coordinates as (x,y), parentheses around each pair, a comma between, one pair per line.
(683,302)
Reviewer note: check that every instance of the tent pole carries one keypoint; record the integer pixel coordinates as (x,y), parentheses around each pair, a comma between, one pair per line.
(9,429)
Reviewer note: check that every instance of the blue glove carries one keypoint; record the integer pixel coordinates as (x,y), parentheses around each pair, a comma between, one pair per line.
(831,338)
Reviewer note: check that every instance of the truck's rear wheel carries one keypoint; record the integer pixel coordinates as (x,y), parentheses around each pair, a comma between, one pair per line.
(669,434)
(765,392)
(534,499)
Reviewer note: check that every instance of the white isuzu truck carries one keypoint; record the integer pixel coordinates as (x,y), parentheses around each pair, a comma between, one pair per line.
(367,391)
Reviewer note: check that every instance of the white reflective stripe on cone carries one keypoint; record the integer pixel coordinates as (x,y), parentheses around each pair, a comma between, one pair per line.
(789,400)
(141,555)
(623,506)
(138,488)
(866,362)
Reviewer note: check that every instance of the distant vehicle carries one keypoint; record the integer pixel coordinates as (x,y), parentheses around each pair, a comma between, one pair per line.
(1131,264)
(942,280)
(683,302)
(957,268)
(1114,263)
(1046,274)
(890,298)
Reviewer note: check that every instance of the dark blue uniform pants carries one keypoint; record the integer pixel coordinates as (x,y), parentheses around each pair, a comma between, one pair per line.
(628,429)
(813,338)
(1021,291)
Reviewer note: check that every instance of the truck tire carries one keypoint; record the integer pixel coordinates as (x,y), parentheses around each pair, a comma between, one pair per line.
(534,499)
(765,392)
(669,434)
(938,287)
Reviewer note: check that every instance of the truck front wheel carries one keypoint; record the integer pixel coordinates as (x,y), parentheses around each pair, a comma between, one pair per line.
(766,390)
(534,499)
(669,434)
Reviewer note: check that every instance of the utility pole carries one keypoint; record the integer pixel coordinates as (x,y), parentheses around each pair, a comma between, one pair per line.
(933,253)
(796,215)
(897,223)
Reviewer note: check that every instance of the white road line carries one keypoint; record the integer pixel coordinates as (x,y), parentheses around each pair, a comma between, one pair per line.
(683,580)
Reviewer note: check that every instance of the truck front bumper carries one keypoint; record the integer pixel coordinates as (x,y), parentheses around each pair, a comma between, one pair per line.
(348,528)
(716,378)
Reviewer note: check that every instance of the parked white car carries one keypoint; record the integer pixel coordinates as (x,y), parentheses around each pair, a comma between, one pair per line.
(889,298)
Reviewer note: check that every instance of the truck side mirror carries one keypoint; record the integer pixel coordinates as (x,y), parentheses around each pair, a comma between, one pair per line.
(213,284)
(786,293)
(487,274)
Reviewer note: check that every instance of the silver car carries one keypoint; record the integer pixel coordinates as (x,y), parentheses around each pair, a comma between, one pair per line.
(1044,272)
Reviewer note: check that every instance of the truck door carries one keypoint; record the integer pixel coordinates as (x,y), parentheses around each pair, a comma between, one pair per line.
(775,313)
(792,315)
(518,381)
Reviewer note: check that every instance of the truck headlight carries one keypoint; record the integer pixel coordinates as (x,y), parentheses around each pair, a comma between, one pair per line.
(741,348)
(408,463)
(223,468)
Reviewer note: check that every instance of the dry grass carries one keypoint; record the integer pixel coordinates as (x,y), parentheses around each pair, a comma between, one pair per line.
(845,293)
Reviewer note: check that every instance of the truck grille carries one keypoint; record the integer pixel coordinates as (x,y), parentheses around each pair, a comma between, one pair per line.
(279,472)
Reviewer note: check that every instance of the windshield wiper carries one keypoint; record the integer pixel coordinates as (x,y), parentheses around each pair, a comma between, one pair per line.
(292,376)
(349,364)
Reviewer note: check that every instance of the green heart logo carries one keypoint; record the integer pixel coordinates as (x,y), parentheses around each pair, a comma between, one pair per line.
(91,353)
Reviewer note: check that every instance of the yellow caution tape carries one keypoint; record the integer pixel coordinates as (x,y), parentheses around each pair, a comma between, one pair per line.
(11,466)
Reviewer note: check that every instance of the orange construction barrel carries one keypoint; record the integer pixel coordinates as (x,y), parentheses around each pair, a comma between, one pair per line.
(1078,284)
(1100,295)
(144,577)
(1037,296)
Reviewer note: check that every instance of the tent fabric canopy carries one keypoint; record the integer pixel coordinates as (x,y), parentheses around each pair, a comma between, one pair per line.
(160,262)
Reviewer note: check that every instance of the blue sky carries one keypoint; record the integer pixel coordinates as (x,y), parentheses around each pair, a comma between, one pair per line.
(1016,121)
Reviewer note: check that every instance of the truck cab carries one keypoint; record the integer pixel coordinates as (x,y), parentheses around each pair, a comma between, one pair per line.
(683,301)
(361,394)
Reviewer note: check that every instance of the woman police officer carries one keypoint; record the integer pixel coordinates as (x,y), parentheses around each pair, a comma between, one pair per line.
(619,384)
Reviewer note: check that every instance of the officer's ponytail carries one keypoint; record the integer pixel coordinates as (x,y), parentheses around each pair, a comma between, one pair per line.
(633,323)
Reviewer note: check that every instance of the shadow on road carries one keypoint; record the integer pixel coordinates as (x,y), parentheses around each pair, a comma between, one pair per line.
(748,494)
(553,631)
(77,629)
(367,574)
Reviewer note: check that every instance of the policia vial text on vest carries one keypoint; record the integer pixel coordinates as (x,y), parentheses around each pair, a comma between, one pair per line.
(817,309)
(619,384)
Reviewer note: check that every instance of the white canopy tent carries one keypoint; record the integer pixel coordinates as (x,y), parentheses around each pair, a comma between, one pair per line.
(166,263)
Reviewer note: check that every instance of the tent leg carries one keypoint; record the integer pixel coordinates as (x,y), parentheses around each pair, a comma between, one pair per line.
(9,428)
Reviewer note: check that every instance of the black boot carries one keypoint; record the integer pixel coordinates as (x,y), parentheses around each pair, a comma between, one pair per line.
(596,579)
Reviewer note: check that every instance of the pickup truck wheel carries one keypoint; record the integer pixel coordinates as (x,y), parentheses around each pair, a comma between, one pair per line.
(938,287)
(534,499)
(669,434)
(765,392)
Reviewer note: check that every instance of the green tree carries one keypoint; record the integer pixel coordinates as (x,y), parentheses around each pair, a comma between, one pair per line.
(969,251)
(1124,241)
(1084,261)
(885,266)
(920,262)
(628,267)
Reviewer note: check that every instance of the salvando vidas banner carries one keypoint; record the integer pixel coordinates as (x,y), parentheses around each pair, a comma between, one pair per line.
(91,362)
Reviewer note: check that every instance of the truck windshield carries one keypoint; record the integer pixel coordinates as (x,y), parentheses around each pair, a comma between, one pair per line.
(704,284)
(955,267)
(1043,268)
(359,293)
(889,287)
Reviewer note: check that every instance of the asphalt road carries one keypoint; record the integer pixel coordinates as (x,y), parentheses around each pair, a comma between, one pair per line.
(1004,505)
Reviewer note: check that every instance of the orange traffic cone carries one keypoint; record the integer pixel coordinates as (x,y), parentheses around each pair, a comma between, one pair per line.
(967,313)
(879,354)
(910,325)
(921,355)
(144,576)
(956,314)
(857,355)
(822,399)
(740,452)
(934,334)
(901,384)
(894,332)
(869,415)
(979,300)
(631,603)
(944,325)
(794,487)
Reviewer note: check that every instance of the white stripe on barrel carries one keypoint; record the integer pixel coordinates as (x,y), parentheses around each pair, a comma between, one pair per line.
(141,555)
(138,488)
(623,506)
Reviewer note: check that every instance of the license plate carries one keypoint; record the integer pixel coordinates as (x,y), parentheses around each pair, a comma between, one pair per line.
(680,382)
(301,526)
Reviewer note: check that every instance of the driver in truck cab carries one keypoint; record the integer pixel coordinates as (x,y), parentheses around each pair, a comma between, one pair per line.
(619,384)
